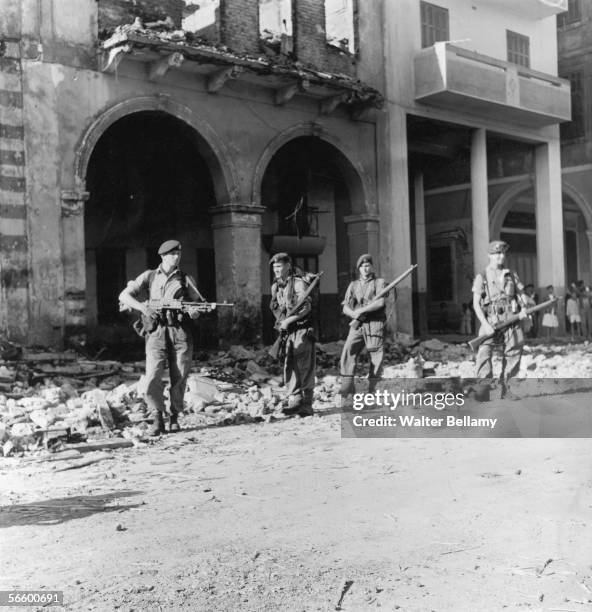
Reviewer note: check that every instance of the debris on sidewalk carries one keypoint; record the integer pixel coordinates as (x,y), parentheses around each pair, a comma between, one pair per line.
(52,399)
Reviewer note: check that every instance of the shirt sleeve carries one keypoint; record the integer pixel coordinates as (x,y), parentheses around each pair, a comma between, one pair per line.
(348,296)
(139,284)
(478,284)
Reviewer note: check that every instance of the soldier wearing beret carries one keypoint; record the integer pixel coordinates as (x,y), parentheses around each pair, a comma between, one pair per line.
(287,290)
(171,341)
(498,295)
(359,304)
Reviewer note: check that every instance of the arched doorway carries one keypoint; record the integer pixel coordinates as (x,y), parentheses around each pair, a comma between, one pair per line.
(149,180)
(513,219)
(309,189)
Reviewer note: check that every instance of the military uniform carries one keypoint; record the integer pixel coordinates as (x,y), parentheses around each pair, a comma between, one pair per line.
(299,359)
(369,334)
(171,341)
(498,291)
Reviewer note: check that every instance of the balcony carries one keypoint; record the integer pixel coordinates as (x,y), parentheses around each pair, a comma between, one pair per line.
(467,82)
(534,9)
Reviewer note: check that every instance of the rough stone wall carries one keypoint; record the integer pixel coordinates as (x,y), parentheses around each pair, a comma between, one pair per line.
(310,40)
(117,12)
(239,24)
(13,211)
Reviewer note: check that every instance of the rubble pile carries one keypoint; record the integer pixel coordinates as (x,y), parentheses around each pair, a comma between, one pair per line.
(47,398)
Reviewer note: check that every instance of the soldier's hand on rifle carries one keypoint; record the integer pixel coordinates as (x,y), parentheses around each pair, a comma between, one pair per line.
(286,323)
(193,312)
(149,313)
(523,315)
(487,329)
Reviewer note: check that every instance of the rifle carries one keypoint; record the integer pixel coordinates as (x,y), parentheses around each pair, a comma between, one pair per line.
(475,343)
(278,348)
(145,325)
(355,323)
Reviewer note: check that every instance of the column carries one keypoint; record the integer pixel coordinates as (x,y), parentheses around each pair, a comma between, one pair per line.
(237,246)
(421,253)
(74,262)
(549,222)
(479,199)
(395,229)
(362,235)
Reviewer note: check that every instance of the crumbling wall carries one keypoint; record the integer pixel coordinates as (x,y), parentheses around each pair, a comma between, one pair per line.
(239,23)
(117,12)
(311,43)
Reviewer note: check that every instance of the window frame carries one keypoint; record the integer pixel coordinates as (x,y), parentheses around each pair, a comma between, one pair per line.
(571,16)
(431,31)
(515,55)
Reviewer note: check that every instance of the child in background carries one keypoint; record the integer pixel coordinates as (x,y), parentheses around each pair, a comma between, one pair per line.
(550,320)
(572,311)
(466,320)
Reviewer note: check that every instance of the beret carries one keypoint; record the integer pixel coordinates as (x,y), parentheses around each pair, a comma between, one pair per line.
(168,246)
(365,258)
(497,246)
(280,258)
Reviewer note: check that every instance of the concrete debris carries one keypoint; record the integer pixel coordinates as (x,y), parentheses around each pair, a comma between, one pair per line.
(62,399)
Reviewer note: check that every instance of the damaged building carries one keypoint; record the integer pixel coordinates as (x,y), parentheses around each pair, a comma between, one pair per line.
(415,131)
(239,127)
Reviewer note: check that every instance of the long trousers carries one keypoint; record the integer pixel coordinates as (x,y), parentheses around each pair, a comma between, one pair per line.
(300,367)
(172,346)
(371,336)
(512,341)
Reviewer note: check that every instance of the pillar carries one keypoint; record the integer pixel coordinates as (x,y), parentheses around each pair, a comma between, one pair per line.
(74,262)
(395,229)
(549,222)
(362,235)
(421,253)
(479,199)
(237,246)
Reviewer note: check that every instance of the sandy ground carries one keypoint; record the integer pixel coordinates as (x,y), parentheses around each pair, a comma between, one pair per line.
(290,516)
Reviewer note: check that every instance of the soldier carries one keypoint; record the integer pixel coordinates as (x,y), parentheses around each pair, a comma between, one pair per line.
(496,296)
(369,331)
(299,360)
(171,339)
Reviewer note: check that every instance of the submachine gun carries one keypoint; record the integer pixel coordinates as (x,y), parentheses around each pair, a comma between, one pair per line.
(170,310)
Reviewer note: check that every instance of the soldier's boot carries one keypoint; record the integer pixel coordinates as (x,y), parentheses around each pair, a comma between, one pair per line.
(174,423)
(157,426)
(295,403)
(306,406)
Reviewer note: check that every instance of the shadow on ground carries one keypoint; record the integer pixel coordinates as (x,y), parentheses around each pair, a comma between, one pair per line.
(60,510)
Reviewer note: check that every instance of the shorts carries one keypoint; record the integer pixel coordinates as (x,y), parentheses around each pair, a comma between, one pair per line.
(550,320)
(575,318)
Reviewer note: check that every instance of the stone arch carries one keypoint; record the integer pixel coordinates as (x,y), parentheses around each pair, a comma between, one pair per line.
(581,202)
(212,148)
(503,205)
(358,182)
(505,202)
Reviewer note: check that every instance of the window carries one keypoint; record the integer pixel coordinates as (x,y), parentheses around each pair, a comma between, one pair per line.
(575,128)
(201,18)
(339,24)
(434,24)
(275,24)
(518,48)
(572,15)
